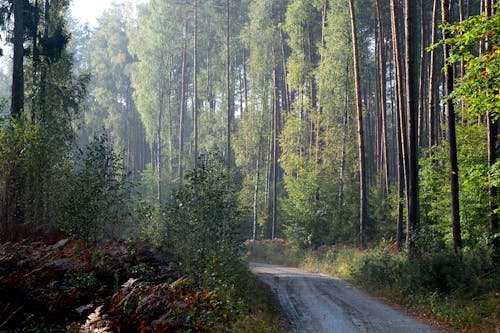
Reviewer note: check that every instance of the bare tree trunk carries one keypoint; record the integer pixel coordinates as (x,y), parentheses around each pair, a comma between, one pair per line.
(422,77)
(245,81)
(257,181)
(35,52)
(492,190)
(344,145)
(195,84)
(492,158)
(182,109)
(402,140)
(286,96)
(275,149)
(361,143)
(170,125)
(228,87)
(43,74)
(14,193)
(159,152)
(432,82)
(412,111)
(401,186)
(383,101)
(455,211)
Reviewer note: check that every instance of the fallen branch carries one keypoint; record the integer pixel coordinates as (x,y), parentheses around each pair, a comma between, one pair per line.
(10,316)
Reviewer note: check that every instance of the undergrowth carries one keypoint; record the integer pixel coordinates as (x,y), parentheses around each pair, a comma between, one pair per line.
(461,293)
(261,313)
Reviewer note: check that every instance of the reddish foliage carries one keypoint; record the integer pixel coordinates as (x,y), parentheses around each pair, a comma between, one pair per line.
(61,281)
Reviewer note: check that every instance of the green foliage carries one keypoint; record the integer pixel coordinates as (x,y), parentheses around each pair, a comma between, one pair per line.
(35,324)
(99,194)
(202,223)
(435,197)
(462,292)
(110,102)
(276,251)
(478,89)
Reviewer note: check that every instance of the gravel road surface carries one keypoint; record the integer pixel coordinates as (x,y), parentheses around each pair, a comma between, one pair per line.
(319,303)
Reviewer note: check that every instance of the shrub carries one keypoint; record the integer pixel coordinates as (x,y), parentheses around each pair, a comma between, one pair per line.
(202,221)
(99,194)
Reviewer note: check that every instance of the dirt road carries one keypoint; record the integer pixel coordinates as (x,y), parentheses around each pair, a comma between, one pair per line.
(318,303)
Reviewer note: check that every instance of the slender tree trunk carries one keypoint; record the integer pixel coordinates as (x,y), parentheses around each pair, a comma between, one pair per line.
(421,81)
(43,74)
(35,52)
(401,185)
(361,144)
(195,84)
(344,144)
(492,158)
(398,72)
(455,211)
(432,82)
(319,127)
(170,125)
(286,96)
(182,108)
(159,152)
(17,100)
(245,81)
(412,111)
(257,181)
(12,210)
(383,101)
(275,149)
(228,87)
(492,190)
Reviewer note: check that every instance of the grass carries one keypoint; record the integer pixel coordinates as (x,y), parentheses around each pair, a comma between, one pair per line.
(262,314)
(462,294)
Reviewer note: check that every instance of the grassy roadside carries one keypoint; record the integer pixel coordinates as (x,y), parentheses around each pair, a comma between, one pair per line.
(263,311)
(463,294)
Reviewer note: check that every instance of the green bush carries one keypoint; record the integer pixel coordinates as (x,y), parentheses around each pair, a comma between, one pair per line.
(99,194)
(202,220)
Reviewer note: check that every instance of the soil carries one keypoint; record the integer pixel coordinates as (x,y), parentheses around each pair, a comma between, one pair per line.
(319,303)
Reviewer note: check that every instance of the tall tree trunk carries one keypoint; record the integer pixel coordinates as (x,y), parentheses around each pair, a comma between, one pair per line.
(398,73)
(245,82)
(455,211)
(257,181)
(383,101)
(411,110)
(432,83)
(401,183)
(228,86)
(195,84)
(35,52)
(319,127)
(12,211)
(344,144)
(170,122)
(286,95)
(361,143)
(492,158)
(492,190)
(275,147)
(17,100)
(182,108)
(43,75)
(421,81)
(159,152)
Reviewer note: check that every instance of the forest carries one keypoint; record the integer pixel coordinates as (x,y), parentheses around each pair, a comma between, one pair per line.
(356,133)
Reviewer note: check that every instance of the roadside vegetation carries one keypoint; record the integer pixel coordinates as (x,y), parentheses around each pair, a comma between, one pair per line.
(181,129)
(462,294)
